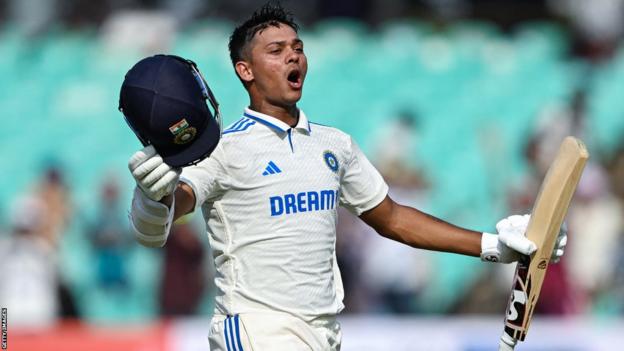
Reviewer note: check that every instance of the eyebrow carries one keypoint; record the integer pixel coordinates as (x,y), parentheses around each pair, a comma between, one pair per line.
(283,42)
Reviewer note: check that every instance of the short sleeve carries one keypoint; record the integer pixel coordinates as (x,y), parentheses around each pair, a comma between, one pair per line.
(209,179)
(361,187)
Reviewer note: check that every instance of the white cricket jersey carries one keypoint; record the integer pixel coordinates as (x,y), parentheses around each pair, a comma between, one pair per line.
(269,194)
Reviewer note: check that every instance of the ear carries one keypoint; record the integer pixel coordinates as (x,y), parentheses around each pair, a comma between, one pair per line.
(243,69)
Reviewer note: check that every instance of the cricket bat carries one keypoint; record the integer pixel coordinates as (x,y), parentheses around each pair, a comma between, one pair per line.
(547,216)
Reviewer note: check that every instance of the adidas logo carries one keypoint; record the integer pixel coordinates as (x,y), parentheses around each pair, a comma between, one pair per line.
(271,169)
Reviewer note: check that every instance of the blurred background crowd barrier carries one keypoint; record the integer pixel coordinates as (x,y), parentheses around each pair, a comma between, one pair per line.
(460,104)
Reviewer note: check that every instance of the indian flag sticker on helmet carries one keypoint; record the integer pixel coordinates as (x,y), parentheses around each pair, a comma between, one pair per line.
(182,132)
(331,161)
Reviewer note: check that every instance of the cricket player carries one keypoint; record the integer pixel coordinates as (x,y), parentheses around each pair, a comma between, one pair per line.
(269,194)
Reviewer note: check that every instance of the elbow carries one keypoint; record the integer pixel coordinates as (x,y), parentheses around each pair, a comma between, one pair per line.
(390,227)
(396,227)
(390,231)
(388,219)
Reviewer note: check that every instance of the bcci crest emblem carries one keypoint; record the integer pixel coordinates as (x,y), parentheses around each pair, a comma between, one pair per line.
(182,132)
(331,161)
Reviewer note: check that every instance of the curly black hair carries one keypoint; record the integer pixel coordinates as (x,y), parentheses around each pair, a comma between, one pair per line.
(270,14)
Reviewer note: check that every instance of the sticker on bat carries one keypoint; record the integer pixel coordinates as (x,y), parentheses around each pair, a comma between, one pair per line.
(516,308)
(520,297)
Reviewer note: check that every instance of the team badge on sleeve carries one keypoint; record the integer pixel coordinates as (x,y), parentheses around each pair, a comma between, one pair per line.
(331,161)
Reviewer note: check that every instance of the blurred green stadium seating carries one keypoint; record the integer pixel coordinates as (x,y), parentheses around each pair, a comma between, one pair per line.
(468,84)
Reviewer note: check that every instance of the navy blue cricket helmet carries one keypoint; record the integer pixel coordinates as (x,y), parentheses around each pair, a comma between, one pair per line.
(165,101)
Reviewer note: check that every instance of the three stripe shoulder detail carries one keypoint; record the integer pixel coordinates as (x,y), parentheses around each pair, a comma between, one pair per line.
(239,126)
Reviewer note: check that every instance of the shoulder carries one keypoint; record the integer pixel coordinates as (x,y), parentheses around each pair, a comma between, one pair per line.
(328,131)
(236,136)
(238,128)
(337,141)
(237,139)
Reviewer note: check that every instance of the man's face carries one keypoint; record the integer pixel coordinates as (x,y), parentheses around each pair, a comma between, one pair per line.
(278,65)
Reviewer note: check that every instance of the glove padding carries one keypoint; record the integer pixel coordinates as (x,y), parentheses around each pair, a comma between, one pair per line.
(511,242)
(150,220)
(153,176)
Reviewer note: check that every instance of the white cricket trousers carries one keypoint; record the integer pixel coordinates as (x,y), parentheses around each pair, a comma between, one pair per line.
(273,331)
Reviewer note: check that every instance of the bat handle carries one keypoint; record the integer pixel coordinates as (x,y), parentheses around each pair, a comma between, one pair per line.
(507,343)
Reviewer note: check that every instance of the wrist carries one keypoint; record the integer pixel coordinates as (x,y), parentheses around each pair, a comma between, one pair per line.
(489,248)
(147,194)
(167,200)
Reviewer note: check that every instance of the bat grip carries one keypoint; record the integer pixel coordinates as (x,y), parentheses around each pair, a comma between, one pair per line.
(507,343)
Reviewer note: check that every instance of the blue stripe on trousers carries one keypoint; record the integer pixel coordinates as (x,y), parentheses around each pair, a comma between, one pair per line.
(238,340)
(225,334)
(231,333)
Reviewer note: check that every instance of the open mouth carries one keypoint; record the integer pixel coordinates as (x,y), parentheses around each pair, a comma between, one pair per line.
(294,79)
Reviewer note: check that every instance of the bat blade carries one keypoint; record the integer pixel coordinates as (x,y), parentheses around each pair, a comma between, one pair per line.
(547,217)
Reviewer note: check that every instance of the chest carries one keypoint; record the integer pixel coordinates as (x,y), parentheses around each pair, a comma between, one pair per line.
(293,163)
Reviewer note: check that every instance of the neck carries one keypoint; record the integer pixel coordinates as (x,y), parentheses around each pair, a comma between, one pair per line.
(286,114)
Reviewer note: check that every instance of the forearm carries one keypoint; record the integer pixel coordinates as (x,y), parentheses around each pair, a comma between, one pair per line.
(159,198)
(417,229)
(151,220)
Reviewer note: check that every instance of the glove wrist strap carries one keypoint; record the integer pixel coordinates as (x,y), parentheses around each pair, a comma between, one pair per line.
(489,248)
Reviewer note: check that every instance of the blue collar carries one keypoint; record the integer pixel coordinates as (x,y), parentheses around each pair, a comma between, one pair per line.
(303,124)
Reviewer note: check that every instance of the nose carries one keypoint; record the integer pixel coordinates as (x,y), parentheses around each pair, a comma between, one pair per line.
(293,57)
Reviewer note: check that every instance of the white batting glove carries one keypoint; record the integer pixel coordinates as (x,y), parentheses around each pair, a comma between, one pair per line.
(153,176)
(560,244)
(511,242)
